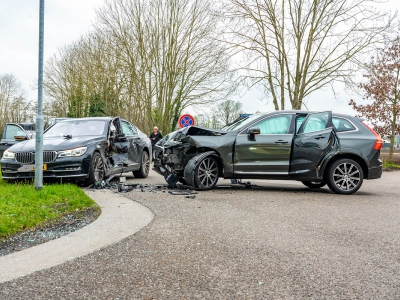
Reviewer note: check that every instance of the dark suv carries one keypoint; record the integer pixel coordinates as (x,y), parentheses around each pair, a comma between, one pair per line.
(315,148)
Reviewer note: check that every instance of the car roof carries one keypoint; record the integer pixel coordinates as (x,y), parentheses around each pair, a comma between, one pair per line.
(304,112)
(87,119)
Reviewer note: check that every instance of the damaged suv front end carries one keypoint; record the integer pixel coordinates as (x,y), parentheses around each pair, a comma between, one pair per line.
(177,155)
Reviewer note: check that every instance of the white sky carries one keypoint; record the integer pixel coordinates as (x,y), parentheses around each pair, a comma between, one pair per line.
(66,20)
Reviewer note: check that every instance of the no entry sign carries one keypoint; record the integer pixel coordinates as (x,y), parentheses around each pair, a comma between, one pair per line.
(186,120)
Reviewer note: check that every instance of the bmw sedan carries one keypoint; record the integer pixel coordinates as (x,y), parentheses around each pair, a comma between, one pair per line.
(316,148)
(85,149)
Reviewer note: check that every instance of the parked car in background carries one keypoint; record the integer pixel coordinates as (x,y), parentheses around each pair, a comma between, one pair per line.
(85,149)
(315,148)
(14,133)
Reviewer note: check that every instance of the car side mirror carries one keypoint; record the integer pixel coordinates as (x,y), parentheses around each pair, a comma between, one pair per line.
(19,138)
(251,132)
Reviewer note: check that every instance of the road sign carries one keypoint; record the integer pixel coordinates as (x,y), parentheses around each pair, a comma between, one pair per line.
(186,120)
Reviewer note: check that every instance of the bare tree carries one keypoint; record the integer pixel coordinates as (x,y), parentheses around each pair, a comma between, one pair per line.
(382,91)
(227,111)
(144,61)
(295,47)
(172,57)
(14,106)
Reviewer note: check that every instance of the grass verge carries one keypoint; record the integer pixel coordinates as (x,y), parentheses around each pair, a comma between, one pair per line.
(22,207)
(388,165)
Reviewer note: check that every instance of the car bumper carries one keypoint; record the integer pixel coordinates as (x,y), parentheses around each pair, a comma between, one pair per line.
(71,167)
(375,173)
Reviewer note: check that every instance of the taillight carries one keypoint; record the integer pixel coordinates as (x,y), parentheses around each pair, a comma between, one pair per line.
(379,142)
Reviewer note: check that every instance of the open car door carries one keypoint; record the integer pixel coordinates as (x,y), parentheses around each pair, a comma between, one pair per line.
(13,133)
(314,143)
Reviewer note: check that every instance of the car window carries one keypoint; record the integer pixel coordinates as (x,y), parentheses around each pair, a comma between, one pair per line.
(13,130)
(241,123)
(135,130)
(76,128)
(274,125)
(342,125)
(126,128)
(316,122)
(299,121)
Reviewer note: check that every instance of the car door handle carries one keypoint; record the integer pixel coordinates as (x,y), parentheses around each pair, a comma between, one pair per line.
(281,142)
(319,137)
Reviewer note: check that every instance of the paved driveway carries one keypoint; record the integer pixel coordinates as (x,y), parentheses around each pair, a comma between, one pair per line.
(279,240)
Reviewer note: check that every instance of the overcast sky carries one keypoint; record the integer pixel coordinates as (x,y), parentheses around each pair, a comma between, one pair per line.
(67,20)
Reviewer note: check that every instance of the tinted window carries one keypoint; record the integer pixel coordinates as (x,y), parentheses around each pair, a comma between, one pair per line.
(13,130)
(342,125)
(135,130)
(316,122)
(76,128)
(242,123)
(126,128)
(299,121)
(275,125)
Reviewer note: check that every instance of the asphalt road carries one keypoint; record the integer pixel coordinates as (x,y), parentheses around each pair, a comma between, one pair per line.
(278,240)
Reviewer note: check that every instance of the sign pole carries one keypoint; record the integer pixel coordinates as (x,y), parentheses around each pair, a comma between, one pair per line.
(39,117)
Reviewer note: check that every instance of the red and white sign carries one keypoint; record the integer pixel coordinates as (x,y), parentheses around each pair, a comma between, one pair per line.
(186,120)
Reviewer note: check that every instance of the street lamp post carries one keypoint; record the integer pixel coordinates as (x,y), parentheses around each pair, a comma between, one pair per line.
(39,117)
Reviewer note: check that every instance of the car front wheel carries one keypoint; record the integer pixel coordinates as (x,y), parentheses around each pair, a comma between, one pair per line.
(96,170)
(144,169)
(345,176)
(206,173)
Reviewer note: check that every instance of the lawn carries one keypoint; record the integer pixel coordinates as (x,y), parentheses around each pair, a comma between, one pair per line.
(390,165)
(22,207)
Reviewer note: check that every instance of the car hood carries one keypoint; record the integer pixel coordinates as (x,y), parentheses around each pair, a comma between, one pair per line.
(198,131)
(55,144)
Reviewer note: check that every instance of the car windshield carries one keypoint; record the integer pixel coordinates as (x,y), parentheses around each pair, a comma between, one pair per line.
(241,123)
(75,128)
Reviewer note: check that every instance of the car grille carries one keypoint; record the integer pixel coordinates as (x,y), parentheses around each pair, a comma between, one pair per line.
(28,157)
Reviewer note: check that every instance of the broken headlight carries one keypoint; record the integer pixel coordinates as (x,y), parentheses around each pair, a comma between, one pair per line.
(72,152)
(8,155)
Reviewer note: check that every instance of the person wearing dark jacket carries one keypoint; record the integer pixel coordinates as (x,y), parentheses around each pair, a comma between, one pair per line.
(155,136)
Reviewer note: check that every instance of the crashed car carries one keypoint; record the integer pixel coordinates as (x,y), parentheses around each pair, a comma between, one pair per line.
(315,148)
(85,149)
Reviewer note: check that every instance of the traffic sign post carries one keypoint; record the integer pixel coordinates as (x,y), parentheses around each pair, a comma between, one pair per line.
(186,120)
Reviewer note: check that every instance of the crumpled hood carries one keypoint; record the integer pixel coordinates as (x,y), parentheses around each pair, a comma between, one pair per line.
(198,131)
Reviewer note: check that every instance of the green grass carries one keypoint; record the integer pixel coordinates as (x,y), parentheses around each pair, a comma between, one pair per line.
(390,165)
(22,207)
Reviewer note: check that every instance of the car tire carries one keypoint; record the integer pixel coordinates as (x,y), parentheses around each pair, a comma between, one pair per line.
(206,173)
(96,170)
(144,169)
(314,184)
(344,176)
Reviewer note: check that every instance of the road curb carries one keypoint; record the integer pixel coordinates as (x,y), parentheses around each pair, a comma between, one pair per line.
(120,217)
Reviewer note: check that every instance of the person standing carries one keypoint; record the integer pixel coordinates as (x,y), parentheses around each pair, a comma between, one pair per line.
(155,136)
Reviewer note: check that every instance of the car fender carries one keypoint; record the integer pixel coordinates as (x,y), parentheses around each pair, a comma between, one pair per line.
(188,172)
(341,154)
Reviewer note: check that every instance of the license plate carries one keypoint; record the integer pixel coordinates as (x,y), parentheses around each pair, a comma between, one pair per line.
(30,168)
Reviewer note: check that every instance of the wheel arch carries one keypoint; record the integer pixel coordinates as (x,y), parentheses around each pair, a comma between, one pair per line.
(211,151)
(354,157)
(188,173)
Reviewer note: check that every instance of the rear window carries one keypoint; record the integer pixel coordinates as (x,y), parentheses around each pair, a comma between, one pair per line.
(342,125)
